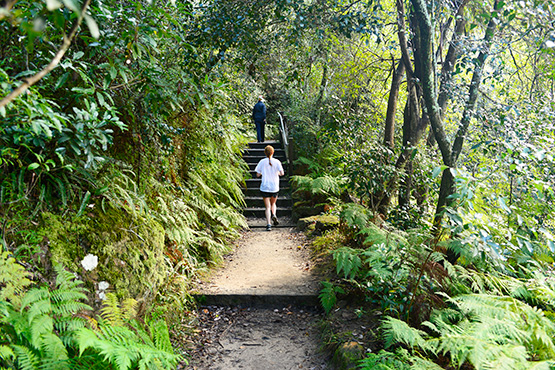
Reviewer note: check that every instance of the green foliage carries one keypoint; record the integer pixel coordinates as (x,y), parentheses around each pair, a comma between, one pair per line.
(13,279)
(369,171)
(355,216)
(47,331)
(383,360)
(328,295)
(484,330)
(43,148)
(38,333)
(327,185)
(124,342)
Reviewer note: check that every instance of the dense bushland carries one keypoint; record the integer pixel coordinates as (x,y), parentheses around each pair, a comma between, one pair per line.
(123,165)
(458,266)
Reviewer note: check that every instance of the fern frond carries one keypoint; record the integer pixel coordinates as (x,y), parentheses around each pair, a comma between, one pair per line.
(55,352)
(129,308)
(328,296)
(65,280)
(419,363)
(347,261)
(13,279)
(26,359)
(354,215)
(160,335)
(111,311)
(38,302)
(6,353)
(40,325)
(397,331)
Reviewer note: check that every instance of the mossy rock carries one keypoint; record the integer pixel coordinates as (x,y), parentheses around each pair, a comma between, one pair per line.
(318,223)
(130,250)
(348,354)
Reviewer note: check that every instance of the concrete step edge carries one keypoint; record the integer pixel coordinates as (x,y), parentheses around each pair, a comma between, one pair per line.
(259,301)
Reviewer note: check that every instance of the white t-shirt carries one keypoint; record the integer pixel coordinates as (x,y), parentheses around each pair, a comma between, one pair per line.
(270,174)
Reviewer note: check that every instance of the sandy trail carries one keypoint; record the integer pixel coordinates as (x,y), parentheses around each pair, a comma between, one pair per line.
(264,263)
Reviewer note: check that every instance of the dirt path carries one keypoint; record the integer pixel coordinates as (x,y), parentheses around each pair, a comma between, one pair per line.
(264,262)
(284,337)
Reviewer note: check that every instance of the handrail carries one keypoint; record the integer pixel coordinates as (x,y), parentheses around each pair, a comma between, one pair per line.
(284,132)
(284,137)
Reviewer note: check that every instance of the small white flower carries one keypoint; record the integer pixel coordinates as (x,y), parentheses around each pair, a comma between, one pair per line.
(102,295)
(89,262)
(103,285)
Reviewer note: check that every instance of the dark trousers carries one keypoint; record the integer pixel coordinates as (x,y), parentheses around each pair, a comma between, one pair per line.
(259,130)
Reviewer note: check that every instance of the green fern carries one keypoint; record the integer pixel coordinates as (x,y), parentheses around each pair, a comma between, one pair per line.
(124,342)
(348,262)
(355,215)
(39,330)
(486,331)
(383,360)
(397,331)
(327,185)
(313,166)
(328,295)
(13,279)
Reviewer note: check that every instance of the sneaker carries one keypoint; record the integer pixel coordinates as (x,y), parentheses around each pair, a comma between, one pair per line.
(268,227)
(275,220)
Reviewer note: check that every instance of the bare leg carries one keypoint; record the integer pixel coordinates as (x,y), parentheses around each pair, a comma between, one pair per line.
(273,205)
(268,212)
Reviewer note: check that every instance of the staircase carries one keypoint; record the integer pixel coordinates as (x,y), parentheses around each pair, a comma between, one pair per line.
(254,211)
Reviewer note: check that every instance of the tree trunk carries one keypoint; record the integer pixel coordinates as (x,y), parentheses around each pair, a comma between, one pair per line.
(389,134)
(405,188)
(447,181)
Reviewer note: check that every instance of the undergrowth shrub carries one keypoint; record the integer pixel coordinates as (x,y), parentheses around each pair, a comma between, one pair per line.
(46,328)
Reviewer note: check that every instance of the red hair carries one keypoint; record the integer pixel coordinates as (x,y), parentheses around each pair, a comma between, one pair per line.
(269,151)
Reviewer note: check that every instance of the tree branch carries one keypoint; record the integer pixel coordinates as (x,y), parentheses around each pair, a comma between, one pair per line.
(53,63)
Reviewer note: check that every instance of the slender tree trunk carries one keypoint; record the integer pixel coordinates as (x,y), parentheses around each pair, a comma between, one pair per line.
(405,188)
(389,134)
(320,99)
(449,154)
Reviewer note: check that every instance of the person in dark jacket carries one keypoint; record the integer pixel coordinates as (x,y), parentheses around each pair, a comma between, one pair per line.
(259,116)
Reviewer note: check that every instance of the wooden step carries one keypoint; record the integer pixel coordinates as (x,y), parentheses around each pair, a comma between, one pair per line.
(260,212)
(257,201)
(260,153)
(255,183)
(255,192)
(275,144)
